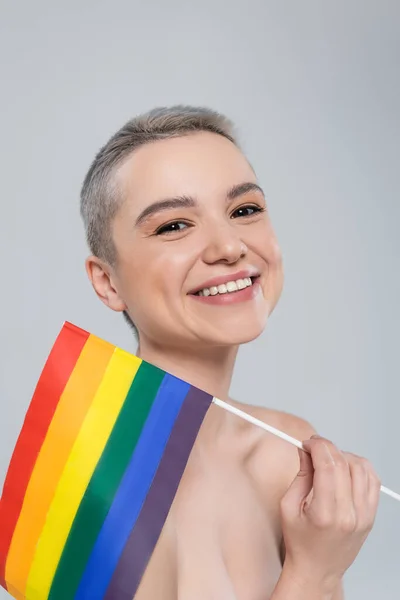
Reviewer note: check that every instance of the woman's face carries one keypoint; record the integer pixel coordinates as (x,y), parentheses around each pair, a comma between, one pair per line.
(216,226)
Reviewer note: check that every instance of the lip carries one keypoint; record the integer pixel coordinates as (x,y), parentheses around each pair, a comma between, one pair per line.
(215,281)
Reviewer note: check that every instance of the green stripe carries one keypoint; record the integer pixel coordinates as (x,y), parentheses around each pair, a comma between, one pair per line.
(105,481)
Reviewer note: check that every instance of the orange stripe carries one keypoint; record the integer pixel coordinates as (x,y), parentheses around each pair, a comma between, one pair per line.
(63,431)
(53,379)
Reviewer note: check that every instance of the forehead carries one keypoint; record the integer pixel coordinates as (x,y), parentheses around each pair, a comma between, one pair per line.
(201,164)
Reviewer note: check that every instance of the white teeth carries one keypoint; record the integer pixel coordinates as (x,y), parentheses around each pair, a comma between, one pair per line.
(231,286)
(225,288)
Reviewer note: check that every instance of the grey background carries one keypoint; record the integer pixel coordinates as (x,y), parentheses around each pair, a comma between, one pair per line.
(314,89)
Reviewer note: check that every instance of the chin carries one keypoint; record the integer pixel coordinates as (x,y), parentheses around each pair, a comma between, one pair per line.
(241,333)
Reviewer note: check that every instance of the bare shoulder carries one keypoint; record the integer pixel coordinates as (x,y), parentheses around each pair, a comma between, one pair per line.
(275,462)
(289,423)
(295,423)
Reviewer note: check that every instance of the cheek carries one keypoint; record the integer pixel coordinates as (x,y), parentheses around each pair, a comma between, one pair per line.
(265,243)
(153,276)
(274,252)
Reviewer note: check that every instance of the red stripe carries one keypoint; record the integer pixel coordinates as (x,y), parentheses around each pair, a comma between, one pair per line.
(52,381)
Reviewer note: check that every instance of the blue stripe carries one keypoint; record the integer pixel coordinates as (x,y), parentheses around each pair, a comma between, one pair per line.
(133,489)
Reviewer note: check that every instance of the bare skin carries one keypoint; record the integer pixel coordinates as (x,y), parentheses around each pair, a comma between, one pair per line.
(223,537)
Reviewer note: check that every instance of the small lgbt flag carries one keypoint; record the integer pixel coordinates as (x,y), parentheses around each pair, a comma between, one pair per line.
(104,445)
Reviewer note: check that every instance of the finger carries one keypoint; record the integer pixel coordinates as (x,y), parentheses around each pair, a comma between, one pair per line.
(345,510)
(306,466)
(360,487)
(367,501)
(323,499)
(336,478)
(299,490)
(374,488)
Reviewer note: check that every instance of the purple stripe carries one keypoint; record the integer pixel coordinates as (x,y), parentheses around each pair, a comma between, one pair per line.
(144,535)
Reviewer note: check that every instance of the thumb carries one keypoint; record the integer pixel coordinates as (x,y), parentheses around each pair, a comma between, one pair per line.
(303,482)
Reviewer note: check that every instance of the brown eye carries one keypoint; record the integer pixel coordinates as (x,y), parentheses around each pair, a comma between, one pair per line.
(170,227)
(242,210)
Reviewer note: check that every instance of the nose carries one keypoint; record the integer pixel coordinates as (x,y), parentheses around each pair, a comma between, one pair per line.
(223,245)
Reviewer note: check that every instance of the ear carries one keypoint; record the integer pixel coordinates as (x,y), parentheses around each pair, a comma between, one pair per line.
(100,275)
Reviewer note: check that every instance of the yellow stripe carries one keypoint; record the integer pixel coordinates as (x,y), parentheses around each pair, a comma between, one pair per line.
(82,461)
(67,421)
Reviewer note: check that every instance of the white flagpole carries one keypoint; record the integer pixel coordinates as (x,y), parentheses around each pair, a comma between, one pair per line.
(277,432)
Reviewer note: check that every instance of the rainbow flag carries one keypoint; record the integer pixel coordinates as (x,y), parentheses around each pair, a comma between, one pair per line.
(96,467)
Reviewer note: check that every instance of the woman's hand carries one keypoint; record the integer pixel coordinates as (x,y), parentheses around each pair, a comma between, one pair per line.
(328,512)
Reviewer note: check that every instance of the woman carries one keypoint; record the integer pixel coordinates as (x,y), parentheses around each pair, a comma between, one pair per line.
(182,244)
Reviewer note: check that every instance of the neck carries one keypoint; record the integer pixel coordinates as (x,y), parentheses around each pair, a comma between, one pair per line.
(209,369)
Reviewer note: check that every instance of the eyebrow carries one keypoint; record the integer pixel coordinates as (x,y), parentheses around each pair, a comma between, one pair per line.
(190,202)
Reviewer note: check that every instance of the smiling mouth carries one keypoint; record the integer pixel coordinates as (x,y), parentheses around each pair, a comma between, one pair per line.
(231,287)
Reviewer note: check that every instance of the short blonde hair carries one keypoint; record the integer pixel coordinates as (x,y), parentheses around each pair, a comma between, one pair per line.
(100,197)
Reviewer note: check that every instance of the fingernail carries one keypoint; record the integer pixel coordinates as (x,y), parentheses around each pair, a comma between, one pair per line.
(316,436)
